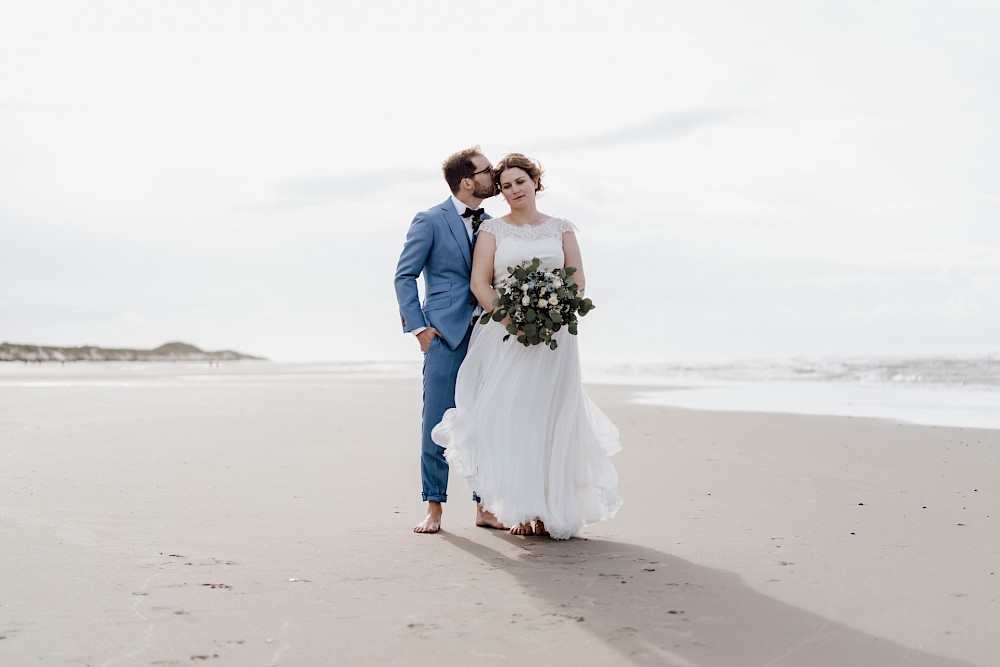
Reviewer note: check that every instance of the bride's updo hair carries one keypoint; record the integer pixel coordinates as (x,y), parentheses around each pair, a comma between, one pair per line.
(521,161)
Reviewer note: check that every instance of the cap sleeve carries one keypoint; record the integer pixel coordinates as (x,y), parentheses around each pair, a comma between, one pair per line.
(492,226)
(567,226)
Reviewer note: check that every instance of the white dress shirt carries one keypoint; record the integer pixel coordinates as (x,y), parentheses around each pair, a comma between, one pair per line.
(460,208)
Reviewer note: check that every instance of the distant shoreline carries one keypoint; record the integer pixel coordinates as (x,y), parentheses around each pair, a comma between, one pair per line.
(174,351)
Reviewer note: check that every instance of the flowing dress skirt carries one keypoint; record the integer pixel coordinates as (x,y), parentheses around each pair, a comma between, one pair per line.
(526,436)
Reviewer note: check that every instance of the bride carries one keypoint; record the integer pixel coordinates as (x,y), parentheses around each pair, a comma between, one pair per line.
(523,432)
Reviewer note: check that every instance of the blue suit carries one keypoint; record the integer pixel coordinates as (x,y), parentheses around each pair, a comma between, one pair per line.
(437,246)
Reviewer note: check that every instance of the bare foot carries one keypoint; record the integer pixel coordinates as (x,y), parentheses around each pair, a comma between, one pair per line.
(522,529)
(486,519)
(432,523)
(540,527)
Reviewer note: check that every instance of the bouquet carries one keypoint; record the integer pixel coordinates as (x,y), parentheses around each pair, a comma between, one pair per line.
(538,302)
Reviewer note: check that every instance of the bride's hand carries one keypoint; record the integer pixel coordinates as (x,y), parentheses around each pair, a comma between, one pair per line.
(506,322)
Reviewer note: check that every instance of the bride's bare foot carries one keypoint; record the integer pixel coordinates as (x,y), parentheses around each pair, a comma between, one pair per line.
(486,519)
(432,523)
(522,529)
(540,527)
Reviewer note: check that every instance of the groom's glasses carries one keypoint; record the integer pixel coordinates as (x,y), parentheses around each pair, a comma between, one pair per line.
(482,171)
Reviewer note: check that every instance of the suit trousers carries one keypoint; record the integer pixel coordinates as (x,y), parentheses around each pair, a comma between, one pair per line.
(441,365)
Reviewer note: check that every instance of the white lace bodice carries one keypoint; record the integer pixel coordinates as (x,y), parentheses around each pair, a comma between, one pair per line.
(520,242)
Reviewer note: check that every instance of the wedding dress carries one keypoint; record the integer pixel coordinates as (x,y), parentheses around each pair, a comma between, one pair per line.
(523,431)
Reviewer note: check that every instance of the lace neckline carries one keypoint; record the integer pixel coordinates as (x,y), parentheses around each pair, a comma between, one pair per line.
(506,220)
(551,227)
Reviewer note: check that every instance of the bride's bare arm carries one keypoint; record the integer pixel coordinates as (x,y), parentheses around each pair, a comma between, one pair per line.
(482,270)
(571,252)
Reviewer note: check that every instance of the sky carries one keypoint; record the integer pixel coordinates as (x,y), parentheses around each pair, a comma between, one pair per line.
(750,180)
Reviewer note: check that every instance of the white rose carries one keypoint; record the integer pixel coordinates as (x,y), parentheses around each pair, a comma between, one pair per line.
(554,300)
(541,290)
(526,300)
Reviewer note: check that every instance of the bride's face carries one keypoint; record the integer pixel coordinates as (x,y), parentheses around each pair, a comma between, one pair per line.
(517,187)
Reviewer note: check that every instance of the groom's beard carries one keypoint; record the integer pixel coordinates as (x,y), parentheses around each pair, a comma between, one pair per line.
(485,192)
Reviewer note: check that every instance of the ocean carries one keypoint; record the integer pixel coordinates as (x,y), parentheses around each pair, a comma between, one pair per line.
(940,391)
(931,390)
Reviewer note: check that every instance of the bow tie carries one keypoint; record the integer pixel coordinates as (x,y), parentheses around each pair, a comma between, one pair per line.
(477,218)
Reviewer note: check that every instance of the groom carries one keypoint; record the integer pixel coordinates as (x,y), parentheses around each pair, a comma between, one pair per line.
(439,246)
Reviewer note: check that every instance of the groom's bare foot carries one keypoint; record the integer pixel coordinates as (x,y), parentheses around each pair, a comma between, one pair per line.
(486,519)
(432,523)
(522,529)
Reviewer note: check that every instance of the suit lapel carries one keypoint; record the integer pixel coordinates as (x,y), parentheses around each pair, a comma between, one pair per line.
(457,228)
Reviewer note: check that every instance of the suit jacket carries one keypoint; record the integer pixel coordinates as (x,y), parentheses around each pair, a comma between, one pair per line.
(437,246)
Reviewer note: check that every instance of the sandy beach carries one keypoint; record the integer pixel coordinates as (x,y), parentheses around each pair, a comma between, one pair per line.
(224,517)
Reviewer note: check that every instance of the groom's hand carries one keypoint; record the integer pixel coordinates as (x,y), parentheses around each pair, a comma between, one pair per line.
(425,337)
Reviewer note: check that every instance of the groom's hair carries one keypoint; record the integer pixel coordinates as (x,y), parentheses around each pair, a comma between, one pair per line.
(458,166)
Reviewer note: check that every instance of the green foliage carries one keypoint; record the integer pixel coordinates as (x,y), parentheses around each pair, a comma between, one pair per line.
(535,322)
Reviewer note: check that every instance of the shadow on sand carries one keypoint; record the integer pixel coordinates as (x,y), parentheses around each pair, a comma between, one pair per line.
(658,609)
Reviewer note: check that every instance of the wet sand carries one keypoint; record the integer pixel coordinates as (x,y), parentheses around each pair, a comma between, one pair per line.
(233,519)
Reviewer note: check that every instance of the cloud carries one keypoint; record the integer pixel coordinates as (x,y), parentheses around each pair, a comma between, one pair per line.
(34,106)
(662,126)
(352,186)
(321,190)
